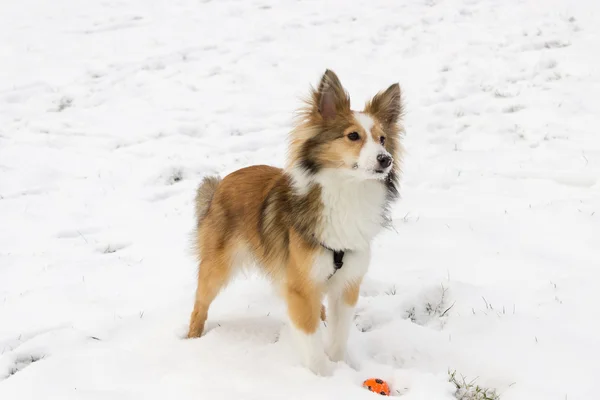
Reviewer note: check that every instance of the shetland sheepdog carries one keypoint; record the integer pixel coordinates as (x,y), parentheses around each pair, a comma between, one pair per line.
(309,226)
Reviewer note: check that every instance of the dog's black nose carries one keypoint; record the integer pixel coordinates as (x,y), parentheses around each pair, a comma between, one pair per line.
(384,160)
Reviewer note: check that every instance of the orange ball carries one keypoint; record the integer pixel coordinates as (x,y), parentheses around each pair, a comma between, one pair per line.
(377,386)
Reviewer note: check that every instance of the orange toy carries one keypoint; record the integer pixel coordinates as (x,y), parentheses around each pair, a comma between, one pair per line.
(377,386)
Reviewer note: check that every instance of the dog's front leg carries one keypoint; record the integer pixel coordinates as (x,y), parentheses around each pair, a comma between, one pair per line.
(304,309)
(339,319)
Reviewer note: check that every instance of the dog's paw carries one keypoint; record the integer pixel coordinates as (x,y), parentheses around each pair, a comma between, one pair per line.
(336,353)
(321,366)
(335,348)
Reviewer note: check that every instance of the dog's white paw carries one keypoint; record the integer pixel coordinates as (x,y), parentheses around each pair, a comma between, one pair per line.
(339,353)
(336,352)
(321,366)
(336,348)
(311,352)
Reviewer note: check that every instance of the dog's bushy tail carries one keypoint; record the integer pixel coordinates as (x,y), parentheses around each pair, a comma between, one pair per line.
(204,195)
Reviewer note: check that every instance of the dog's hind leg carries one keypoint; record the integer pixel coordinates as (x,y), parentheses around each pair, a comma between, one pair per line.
(213,275)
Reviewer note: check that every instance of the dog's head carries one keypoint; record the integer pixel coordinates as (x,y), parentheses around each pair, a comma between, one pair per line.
(359,144)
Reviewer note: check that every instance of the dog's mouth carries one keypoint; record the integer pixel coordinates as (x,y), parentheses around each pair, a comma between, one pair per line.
(372,173)
(381,173)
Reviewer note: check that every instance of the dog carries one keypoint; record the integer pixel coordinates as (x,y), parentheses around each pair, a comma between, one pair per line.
(308,226)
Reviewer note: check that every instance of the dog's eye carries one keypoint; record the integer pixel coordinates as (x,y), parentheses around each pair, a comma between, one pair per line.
(382,140)
(353,136)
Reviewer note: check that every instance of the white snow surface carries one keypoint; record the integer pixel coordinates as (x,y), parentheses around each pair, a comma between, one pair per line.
(112,111)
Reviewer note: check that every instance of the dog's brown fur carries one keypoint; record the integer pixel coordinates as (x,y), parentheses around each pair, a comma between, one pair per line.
(255,213)
(270,223)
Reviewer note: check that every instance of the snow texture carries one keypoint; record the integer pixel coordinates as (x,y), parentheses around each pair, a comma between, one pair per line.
(112,111)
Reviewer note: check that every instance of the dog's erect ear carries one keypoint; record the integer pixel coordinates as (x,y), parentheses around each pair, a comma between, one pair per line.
(386,106)
(331,98)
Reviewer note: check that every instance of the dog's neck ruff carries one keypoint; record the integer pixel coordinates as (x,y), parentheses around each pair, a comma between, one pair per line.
(353,210)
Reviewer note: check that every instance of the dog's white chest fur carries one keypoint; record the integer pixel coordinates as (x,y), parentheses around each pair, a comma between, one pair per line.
(352,210)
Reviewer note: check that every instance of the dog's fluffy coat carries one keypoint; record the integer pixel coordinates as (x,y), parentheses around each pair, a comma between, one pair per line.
(334,194)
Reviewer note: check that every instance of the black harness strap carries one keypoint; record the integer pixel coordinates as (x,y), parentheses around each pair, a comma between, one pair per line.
(338,258)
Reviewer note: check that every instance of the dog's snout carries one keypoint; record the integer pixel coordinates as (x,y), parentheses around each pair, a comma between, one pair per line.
(384,160)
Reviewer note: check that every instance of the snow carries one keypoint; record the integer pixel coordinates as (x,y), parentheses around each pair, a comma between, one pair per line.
(111,112)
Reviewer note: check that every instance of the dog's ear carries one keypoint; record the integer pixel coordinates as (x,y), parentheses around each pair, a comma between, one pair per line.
(386,106)
(331,98)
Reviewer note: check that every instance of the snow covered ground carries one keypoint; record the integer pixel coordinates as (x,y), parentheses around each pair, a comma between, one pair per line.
(112,111)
